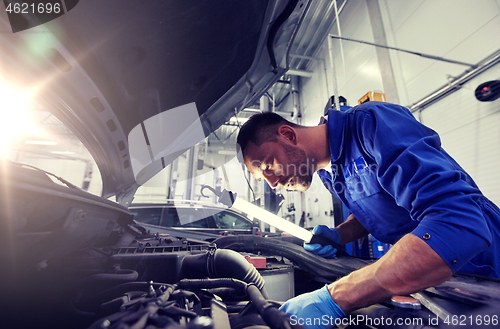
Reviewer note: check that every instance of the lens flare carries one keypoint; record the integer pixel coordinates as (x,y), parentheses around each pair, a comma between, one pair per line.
(15,122)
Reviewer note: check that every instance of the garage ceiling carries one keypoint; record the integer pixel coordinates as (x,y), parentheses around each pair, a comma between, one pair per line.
(318,22)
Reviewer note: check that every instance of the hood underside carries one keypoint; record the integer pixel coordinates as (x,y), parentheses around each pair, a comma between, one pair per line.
(105,67)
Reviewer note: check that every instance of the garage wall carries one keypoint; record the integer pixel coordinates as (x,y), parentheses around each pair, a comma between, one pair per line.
(470,132)
(455,29)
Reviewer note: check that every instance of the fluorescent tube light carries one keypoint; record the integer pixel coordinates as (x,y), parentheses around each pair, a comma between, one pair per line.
(41,142)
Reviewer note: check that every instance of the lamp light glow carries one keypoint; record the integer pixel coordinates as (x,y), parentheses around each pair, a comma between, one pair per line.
(272,219)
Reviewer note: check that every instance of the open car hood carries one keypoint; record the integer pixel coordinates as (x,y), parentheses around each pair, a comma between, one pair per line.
(129,78)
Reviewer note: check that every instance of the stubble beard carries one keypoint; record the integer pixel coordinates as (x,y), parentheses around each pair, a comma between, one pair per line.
(299,169)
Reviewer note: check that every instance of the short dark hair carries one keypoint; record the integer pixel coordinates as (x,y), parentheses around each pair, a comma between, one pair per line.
(261,128)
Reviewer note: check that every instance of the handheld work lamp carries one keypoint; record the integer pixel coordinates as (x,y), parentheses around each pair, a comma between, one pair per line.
(231,200)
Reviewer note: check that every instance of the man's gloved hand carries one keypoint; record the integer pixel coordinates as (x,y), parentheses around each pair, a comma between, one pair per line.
(324,251)
(313,310)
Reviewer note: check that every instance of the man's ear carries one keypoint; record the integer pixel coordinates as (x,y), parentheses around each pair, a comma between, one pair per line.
(288,133)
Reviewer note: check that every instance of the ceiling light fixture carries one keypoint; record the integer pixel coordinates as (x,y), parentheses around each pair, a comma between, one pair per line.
(48,143)
(238,120)
(227,152)
(62,152)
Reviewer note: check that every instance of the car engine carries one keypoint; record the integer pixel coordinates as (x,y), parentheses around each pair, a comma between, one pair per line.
(73,260)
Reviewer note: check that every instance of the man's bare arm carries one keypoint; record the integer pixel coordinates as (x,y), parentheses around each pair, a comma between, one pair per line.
(409,266)
(351,230)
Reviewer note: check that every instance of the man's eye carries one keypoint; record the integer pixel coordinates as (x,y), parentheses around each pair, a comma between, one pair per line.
(267,167)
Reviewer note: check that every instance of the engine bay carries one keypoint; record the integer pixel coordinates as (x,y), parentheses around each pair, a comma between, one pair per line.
(74,260)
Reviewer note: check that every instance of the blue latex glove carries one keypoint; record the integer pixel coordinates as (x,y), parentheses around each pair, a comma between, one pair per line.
(313,310)
(324,251)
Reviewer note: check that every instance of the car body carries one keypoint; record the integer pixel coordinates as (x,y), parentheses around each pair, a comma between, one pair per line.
(113,71)
(130,79)
(138,83)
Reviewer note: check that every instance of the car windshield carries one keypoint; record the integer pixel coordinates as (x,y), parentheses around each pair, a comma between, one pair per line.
(226,220)
(147,215)
(194,217)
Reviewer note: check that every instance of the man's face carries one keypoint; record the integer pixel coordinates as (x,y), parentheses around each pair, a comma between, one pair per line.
(280,164)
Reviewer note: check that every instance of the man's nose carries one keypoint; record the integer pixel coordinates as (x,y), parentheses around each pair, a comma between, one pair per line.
(272,180)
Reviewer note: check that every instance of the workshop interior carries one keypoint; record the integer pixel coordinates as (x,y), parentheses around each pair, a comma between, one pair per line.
(124,199)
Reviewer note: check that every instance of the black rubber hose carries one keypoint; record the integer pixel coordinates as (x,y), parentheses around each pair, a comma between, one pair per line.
(222,263)
(275,318)
(228,294)
(120,276)
(229,262)
(188,284)
(94,285)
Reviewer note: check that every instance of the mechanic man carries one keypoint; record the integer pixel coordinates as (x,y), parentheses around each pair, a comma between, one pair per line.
(399,184)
